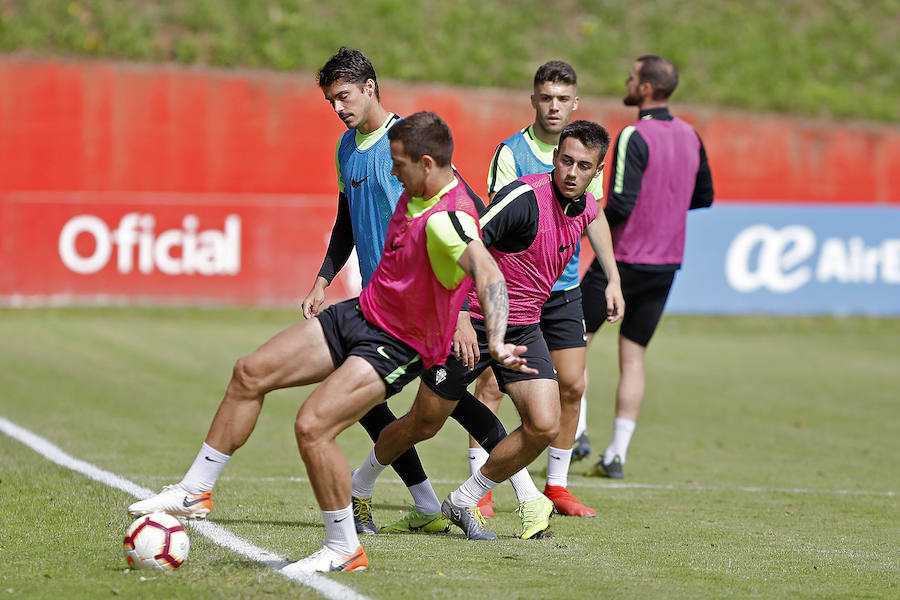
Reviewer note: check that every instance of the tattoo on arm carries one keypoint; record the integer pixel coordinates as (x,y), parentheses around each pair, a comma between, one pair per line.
(496,307)
(492,296)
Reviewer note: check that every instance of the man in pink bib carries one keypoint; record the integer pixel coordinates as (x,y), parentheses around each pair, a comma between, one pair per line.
(531,227)
(363,350)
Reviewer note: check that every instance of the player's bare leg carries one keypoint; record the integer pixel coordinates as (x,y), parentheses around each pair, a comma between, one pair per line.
(336,404)
(297,356)
(537,401)
(632,383)
(488,392)
(424,419)
(629,397)
(582,446)
(570,367)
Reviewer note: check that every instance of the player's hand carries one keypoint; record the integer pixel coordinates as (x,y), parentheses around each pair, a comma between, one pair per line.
(615,301)
(465,341)
(510,356)
(314,299)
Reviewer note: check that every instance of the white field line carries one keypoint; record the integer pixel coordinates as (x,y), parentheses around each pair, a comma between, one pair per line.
(602,483)
(216,533)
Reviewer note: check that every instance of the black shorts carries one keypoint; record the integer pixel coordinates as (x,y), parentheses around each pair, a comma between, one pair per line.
(452,378)
(645,295)
(562,320)
(348,333)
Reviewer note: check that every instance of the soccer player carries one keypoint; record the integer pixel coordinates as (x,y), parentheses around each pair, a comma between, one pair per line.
(364,349)
(531,227)
(368,195)
(660,172)
(526,152)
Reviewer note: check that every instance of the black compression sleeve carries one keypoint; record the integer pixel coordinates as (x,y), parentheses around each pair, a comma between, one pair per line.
(479,421)
(341,243)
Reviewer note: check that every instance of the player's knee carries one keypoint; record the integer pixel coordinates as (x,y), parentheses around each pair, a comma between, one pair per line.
(244,381)
(488,392)
(571,392)
(542,429)
(424,427)
(308,431)
(490,397)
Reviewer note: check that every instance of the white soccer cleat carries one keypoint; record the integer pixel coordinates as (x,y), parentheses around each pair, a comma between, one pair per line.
(174,500)
(326,560)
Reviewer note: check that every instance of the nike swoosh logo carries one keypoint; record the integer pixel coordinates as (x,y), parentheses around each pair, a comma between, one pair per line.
(358,182)
(340,567)
(563,248)
(189,503)
(209,459)
(339,520)
(380,350)
(396,246)
(555,457)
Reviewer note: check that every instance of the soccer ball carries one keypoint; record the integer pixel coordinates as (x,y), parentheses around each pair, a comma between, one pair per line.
(156,541)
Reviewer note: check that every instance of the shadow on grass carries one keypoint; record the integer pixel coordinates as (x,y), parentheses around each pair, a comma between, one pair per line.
(274,522)
(385,506)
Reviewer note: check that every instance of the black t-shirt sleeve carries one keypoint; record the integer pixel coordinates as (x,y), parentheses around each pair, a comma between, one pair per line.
(703,186)
(510,222)
(625,178)
(341,243)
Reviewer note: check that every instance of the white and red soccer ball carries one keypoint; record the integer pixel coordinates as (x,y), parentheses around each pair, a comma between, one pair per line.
(156,542)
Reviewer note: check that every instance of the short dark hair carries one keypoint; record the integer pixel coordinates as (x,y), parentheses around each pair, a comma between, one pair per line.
(556,71)
(350,65)
(660,73)
(424,133)
(588,133)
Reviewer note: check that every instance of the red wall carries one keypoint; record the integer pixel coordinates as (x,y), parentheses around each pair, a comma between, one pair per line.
(114,126)
(260,141)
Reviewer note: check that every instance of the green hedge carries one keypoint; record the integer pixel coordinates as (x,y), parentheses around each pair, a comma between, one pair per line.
(833,58)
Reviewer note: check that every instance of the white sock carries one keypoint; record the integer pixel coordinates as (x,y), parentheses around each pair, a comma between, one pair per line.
(207,467)
(364,477)
(558,466)
(582,418)
(622,431)
(340,532)
(477,458)
(425,499)
(469,493)
(524,486)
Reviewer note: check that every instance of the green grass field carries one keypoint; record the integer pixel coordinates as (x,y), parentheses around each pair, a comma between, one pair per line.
(765,465)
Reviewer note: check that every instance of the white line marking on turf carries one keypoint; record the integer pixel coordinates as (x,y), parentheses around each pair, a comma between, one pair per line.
(218,534)
(610,484)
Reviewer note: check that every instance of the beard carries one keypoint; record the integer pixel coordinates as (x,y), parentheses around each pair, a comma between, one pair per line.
(630,100)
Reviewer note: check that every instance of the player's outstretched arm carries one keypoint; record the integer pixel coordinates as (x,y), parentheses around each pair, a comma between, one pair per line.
(601,241)
(491,289)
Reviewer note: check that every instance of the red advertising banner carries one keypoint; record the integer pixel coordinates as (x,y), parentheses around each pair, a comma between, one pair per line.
(126,183)
(162,248)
